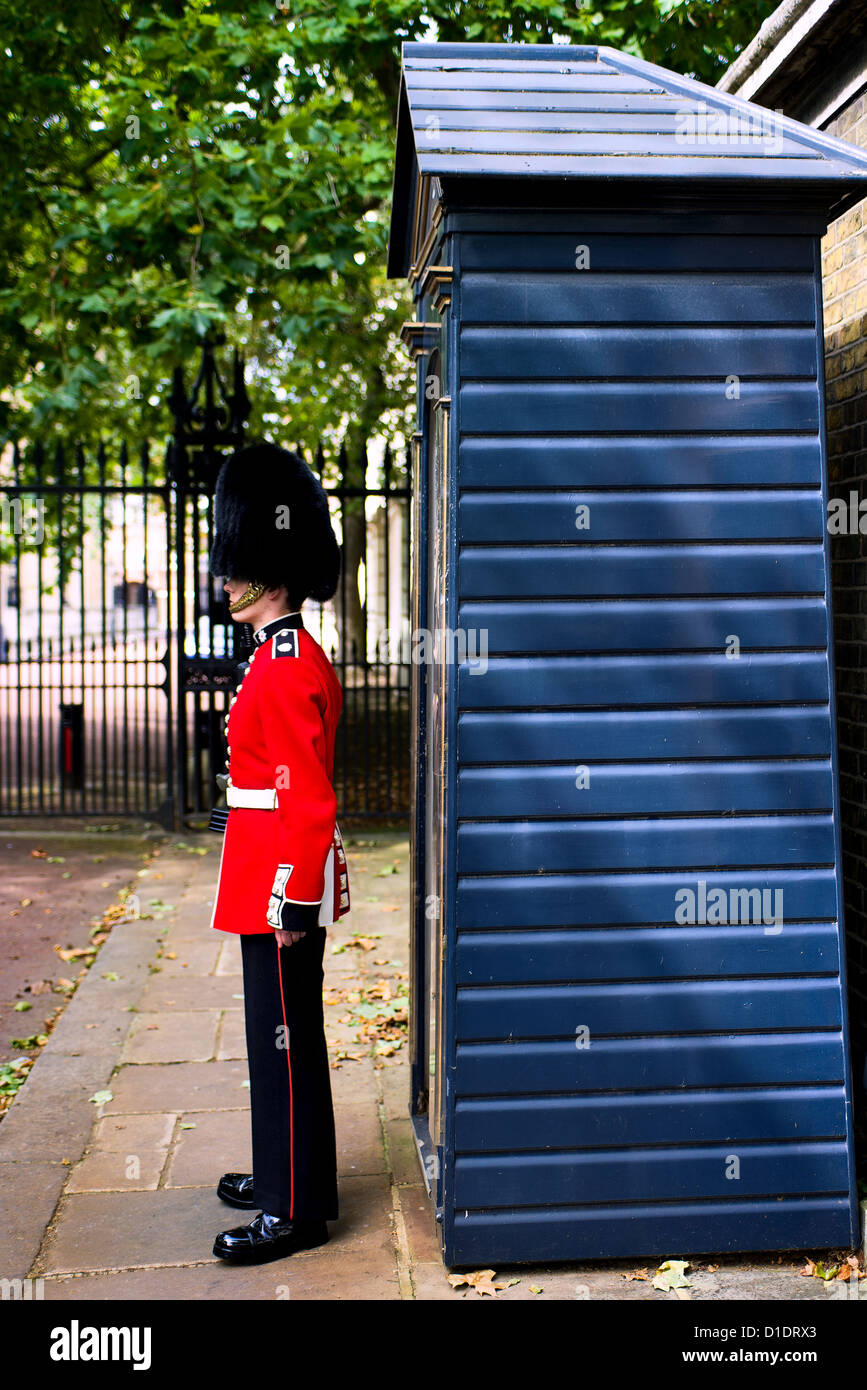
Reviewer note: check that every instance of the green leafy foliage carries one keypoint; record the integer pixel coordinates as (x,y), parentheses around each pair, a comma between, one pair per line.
(207,166)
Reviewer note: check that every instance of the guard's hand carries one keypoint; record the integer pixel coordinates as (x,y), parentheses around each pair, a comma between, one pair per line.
(288,938)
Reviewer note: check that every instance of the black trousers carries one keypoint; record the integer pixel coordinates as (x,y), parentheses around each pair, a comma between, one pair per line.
(291,1113)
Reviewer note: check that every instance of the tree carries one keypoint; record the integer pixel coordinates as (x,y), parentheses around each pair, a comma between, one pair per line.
(173,168)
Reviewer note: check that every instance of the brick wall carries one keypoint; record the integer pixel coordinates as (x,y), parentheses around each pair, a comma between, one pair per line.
(844,266)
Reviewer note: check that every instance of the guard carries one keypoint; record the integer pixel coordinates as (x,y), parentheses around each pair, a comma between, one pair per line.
(283,874)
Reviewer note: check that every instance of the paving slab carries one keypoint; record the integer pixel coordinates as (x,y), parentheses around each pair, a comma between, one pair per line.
(219,1143)
(193,958)
(403,1151)
(357,1274)
(173,1036)
(28,1197)
(179,1086)
(232,1040)
(190,992)
(51,1117)
(117,1172)
(421,1227)
(229,959)
(394,1079)
(123,1230)
(352,1082)
(134,1133)
(359,1140)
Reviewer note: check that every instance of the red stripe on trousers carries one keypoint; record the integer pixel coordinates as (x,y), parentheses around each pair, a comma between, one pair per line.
(289,1065)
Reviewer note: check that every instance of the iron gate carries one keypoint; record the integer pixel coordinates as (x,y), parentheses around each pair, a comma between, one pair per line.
(117,652)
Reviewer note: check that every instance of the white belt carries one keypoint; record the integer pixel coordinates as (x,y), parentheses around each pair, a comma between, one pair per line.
(260,798)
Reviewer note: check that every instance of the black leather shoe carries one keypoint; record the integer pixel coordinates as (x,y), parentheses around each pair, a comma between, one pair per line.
(237,1190)
(269,1238)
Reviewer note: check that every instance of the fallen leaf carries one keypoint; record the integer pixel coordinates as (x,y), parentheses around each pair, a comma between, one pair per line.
(634,1274)
(101,1097)
(671,1276)
(481,1280)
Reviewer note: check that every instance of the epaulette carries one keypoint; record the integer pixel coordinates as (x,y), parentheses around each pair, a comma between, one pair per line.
(285,643)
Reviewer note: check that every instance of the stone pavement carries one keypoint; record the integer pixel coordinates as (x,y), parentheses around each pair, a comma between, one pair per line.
(54,879)
(116,1200)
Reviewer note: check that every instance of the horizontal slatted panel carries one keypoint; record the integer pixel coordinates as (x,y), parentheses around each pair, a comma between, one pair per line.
(540,956)
(701,1227)
(587,571)
(670,1174)
(653,113)
(564,297)
(620,789)
(589,406)
(533,625)
(575,144)
(519,516)
(552,736)
(599,79)
(640,461)
(681,165)
(516,352)
(595,1122)
(625,251)
(551,846)
(664,1063)
(518,900)
(580,59)
(710,678)
(637,98)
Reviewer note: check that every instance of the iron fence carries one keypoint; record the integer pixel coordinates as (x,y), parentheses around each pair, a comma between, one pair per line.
(118,654)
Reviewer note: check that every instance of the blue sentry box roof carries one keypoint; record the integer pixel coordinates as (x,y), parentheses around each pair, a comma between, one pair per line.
(585,112)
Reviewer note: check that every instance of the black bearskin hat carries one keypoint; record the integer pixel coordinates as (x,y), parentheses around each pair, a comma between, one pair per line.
(272,524)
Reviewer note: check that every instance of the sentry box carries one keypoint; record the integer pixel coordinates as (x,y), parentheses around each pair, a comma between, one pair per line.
(628,1010)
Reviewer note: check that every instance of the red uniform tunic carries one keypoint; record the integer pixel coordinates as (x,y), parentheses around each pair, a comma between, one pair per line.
(281,728)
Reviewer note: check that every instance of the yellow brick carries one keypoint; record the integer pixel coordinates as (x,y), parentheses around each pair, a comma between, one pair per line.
(852,275)
(855,302)
(834,312)
(850,332)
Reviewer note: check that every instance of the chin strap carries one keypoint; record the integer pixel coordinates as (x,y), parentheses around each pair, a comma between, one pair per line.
(251,594)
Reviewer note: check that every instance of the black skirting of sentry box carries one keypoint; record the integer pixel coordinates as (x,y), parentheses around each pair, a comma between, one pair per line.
(628,1019)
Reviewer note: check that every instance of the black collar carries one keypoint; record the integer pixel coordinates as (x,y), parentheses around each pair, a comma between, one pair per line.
(288,620)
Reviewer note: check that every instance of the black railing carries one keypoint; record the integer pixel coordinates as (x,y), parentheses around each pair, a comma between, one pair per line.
(117,652)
